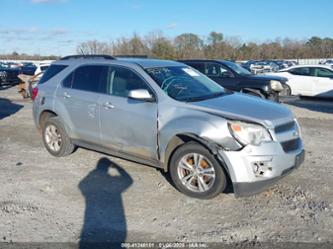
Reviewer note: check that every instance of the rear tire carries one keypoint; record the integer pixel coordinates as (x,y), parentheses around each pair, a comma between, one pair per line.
(196,172)
(55,138)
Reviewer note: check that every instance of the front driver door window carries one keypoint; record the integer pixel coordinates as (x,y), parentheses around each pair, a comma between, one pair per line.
(128,125)
(220,74)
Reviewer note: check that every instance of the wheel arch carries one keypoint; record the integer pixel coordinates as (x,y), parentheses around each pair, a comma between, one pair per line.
(183,138)
(180,139)
(45,114)
(257,91)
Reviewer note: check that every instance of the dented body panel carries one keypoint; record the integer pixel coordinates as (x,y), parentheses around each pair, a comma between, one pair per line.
(149,132)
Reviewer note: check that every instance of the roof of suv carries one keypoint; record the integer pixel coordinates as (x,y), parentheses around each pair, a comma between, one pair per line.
(144,63)
(206,60)
(148,63)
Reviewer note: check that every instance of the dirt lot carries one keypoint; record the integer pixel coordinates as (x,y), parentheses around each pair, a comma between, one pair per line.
(64,199)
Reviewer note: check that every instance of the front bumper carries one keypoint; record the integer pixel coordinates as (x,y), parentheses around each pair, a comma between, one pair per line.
(242,189)
(270,160)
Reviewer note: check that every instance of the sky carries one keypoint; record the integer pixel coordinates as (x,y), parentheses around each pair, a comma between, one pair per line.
(58,26)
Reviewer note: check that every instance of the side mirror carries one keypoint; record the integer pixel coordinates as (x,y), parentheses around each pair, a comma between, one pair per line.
(141,94)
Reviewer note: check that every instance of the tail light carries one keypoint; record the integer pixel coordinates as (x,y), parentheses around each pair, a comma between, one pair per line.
(34,93)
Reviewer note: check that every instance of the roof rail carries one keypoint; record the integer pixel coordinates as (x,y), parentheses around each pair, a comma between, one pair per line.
(137,56)
(108,57)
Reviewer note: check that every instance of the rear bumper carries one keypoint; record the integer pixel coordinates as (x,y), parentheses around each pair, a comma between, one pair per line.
(242,189)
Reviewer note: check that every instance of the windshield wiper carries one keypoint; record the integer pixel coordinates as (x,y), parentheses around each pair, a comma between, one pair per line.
(211,96)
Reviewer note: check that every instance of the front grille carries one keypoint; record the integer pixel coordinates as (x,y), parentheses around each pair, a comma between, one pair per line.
(285,127)
(291,145)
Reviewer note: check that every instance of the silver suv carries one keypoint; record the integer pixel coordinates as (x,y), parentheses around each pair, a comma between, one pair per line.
(167,115)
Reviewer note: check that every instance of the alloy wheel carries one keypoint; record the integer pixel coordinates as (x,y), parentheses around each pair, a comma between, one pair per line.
(196,172)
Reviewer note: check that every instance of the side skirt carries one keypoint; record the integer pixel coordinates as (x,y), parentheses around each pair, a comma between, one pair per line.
(119,154)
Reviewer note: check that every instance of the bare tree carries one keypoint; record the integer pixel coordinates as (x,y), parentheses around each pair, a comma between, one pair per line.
(94,47)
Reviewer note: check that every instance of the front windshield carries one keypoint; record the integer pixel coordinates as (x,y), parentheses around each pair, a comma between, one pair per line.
(237,68)
(184,83)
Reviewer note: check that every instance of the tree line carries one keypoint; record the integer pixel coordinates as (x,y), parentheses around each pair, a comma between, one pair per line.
(23,56)
(215,45)
(188,45)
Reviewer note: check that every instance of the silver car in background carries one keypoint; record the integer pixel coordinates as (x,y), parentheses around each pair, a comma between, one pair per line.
(170,116)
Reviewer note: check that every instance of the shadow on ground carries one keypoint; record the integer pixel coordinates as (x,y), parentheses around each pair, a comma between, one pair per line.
(8,108)
(311,103)
(4,87)
(104,218)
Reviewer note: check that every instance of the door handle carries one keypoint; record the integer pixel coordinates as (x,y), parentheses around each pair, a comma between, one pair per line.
(66,95)
(108,105)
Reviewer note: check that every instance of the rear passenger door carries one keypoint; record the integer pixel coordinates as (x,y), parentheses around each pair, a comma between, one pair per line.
(302,82)
(79,94)
(127,125)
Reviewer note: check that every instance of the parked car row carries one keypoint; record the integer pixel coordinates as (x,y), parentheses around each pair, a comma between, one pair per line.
(9,71)
(171,116)
(265,66)
(308,80)
(328,62)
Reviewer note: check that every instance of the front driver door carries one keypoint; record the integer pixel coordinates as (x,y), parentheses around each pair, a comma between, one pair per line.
(127,125)
(323,82)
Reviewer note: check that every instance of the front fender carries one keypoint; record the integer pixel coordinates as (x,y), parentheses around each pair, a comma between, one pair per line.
(211,130)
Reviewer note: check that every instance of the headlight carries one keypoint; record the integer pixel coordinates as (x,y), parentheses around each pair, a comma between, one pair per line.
(298,128)
(247,133)
(276,85)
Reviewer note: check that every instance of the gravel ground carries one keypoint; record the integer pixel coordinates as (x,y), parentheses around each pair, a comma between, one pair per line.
(47,199)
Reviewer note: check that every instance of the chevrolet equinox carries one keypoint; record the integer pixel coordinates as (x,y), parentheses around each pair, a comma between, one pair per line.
(167,115)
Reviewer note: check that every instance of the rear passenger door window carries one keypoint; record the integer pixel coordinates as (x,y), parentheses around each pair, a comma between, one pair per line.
(120,81)
(89,78)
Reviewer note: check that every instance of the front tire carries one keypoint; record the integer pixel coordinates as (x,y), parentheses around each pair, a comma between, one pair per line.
(274,97)
(196,173)
(286,92)
(55,138)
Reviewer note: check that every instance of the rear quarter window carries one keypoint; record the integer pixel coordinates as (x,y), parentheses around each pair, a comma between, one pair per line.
(51,72)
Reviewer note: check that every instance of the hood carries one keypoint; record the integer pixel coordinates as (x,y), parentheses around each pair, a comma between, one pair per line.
(266,78)
(246,108)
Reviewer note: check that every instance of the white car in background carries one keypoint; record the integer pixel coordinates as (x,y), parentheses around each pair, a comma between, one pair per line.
(41,67)
(308,80)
